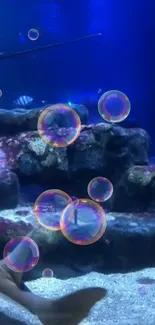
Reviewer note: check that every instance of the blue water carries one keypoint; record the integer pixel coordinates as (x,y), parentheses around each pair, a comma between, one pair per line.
(123,58)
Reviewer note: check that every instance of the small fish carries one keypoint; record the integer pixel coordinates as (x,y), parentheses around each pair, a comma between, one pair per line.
(145,280)
(23,101)
(70,309)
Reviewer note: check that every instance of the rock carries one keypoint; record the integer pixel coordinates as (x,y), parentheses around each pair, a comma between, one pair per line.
(9,189)
(82,111)
(101,149)
(20,120)
(136,190)
(127,244)
(121,288)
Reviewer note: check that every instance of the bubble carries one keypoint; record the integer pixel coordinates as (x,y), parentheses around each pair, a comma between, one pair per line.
(84,224)
(33,34)
(143,291)
(21,254)
(47,273)
(1,93)
(48,208)
(59,125)
(114,106)
(100,189)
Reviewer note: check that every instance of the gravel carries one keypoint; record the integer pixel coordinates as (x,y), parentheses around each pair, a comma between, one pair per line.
(122,306)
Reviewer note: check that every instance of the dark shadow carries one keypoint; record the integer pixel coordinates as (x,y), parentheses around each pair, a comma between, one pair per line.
(9,321)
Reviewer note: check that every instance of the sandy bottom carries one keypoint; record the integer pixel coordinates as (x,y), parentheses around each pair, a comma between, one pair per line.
(123,305)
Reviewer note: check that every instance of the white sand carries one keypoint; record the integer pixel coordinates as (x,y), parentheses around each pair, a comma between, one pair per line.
(122,306)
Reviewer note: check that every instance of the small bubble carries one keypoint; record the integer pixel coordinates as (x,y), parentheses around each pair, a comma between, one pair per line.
(33,34)
(100,189)
(143,291)
(47,273)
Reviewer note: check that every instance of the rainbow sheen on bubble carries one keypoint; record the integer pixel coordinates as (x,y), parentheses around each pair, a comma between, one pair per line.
(83,224)
(100,189)
(48,208)
(47,273)
(114,106)
(59,125)
(33,34)
(21,254)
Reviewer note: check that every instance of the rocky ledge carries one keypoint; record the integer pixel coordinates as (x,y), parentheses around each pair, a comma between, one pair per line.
(128,242)
(121,155)
(18,120)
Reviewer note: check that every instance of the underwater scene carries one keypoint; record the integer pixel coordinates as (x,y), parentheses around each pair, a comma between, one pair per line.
(77,162)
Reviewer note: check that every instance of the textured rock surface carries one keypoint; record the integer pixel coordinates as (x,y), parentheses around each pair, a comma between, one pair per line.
(122,306)
(128,242)
(121,155)
(136,190)
(103,149)
(9,189)
(20,119)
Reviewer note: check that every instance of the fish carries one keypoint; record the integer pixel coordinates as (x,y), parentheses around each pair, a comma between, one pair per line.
(70,309)
(23,101)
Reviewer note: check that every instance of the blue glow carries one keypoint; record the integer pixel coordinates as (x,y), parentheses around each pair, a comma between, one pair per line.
(69,103)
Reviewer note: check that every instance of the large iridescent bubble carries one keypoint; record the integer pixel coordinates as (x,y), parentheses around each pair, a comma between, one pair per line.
(83,224)
(59,125)
(100,189)
(21,254)
(33,34)
(114,106)
(48,208)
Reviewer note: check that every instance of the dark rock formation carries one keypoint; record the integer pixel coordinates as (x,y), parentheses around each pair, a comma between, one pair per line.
(21,120)
(9,189)
(136,190)
(101,150)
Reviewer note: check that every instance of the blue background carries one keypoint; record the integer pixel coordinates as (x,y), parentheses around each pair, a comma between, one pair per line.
(123,58)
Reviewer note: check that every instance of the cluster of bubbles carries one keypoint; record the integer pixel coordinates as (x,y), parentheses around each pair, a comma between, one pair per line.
(81,221)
